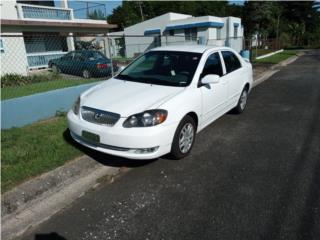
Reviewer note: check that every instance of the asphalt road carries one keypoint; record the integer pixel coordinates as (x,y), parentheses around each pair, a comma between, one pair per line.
(250,176)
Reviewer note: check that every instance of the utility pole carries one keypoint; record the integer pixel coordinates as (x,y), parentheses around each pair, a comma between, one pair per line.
(142,18)
(278,23)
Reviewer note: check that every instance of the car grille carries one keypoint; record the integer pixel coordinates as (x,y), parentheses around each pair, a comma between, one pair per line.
(99,117)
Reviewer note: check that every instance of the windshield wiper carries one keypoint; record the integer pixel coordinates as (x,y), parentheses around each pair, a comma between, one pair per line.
(124,77)
(159,81)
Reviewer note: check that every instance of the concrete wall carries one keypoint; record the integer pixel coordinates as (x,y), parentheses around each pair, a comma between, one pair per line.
(208,35)
(136,45)
(8,9)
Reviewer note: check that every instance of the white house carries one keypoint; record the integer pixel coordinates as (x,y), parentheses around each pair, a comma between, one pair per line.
(33,32)
(175,28)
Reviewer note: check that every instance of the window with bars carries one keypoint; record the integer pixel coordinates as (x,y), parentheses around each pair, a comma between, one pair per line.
(235,33)
(190,34)
(36,42)
(218,33)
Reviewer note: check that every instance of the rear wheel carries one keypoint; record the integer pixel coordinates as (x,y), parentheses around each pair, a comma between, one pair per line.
(55,69)
(242,103)
(183,138)
(86,73)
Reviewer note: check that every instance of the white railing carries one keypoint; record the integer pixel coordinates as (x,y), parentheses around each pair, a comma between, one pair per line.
(41,60)
(29,11)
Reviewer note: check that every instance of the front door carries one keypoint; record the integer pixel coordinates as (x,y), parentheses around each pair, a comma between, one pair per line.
(235,75)
(66,63)
(214,96)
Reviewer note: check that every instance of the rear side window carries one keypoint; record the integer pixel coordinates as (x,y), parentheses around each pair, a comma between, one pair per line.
(231,61)
(213,65)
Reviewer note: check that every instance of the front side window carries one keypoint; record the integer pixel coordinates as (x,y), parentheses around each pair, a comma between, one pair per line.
(212,65)
(231,61)
(168,68)
(69,56)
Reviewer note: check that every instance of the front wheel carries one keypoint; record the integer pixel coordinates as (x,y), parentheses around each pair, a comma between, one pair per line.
(242,102)
(183,138)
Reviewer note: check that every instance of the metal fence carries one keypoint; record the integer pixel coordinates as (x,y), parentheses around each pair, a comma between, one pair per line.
(34,62)
(259,47)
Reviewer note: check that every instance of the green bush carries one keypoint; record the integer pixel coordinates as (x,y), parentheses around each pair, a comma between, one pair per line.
(14,80)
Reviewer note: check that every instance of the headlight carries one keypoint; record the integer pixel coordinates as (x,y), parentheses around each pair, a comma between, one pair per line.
(146,119)
(76,106)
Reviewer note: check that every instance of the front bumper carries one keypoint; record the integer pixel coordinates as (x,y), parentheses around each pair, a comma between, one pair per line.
(124,142)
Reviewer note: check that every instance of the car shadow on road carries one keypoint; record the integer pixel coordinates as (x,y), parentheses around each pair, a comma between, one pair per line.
(49,236)
(103,158)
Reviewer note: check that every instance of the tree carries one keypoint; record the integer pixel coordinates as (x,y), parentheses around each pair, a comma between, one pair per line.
(97,15)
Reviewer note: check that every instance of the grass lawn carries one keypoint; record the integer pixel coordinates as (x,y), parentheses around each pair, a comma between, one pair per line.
(276,58)
(261,52)
(34,149)
(19,91)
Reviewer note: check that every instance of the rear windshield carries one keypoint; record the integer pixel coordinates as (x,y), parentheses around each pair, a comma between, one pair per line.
(95,56)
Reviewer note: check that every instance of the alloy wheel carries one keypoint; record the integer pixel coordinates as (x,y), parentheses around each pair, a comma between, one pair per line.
(243,99)
(186,137)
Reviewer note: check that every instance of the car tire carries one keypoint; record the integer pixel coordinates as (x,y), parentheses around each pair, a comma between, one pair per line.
(242,101)
(183,138)
(55,69)
(86,73)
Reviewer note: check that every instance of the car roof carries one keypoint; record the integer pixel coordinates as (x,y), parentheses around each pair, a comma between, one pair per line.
(189,48)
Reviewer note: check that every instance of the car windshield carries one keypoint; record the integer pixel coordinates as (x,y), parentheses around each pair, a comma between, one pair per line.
(169,68)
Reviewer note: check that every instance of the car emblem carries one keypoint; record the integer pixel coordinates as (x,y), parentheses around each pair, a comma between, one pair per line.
(97,116)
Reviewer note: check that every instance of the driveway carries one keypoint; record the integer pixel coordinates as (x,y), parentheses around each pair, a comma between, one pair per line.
(250,176)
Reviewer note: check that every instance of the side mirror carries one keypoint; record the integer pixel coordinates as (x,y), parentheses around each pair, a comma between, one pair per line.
(210,79)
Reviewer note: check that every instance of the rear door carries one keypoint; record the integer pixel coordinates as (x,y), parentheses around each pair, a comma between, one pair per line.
(214,96)
(235,75)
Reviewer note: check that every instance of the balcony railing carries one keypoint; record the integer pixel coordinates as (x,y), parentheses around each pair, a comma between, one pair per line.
(41,60)
(29,11)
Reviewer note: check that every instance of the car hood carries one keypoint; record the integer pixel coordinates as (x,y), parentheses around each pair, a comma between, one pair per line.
(127,98)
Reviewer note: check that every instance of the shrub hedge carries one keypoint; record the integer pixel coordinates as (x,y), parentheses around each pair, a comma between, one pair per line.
(14,80)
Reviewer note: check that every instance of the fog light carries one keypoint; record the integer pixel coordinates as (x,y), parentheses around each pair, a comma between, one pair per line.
(144,150)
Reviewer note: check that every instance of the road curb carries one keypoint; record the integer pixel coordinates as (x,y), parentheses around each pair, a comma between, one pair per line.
(35,201)
(275,68)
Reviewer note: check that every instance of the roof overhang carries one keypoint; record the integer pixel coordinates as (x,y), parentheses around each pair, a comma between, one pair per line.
(194,25)
(152,31)
(10,25)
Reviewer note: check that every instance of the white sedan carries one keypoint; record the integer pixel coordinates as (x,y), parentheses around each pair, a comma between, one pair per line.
(158,103)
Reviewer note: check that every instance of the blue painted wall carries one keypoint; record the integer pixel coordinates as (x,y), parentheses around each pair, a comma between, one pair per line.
(18,112)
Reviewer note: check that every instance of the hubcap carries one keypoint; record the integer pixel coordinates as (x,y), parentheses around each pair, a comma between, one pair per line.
(85,74)
(55,69)
(186,138)
(243,99)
